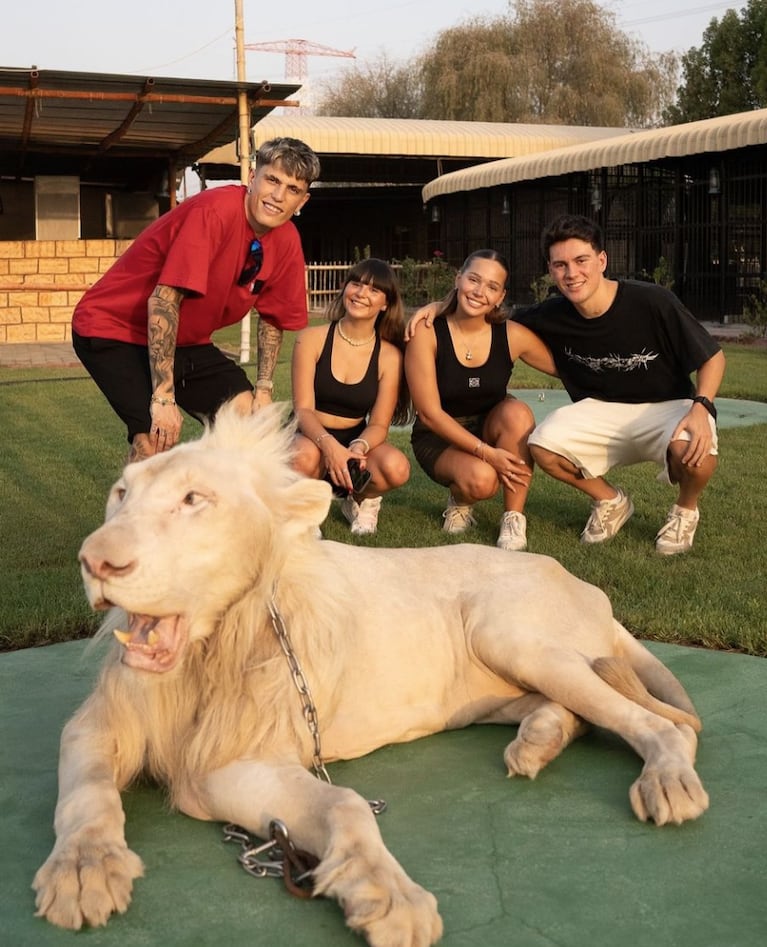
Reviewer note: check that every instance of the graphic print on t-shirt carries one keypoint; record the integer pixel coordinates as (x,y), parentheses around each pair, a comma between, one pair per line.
(616,363)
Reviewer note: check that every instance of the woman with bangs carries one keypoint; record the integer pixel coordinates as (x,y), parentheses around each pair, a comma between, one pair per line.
(348,388)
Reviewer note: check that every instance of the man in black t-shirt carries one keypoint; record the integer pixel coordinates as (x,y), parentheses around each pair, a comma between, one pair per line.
(625,351)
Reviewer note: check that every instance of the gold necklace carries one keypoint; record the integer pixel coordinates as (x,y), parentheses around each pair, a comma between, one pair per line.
(354,341)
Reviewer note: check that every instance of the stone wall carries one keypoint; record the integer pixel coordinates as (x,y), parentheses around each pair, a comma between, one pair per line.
(41,281)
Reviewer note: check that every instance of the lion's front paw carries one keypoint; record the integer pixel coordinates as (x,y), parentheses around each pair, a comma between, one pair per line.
(382,903)
(83,884)
(669,794)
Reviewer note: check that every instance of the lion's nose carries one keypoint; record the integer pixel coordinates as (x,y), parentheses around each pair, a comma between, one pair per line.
(102,568)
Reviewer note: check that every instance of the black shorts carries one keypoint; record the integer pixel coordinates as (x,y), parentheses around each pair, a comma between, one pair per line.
(203,375)
(428,447)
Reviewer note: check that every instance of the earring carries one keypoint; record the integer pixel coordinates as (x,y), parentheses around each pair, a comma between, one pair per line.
(297,213)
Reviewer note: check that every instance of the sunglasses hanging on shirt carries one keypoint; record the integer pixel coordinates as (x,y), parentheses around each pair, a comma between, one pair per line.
(252,267)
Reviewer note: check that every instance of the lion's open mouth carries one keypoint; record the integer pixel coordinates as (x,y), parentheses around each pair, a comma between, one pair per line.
(153,644)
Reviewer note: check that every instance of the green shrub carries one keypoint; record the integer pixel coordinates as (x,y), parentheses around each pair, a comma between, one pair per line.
(423,282)
(755,310)
(540,287)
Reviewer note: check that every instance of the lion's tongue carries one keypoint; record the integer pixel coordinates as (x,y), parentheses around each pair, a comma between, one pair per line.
(152,644)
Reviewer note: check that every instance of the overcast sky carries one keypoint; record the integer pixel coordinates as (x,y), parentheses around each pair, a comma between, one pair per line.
(195,39)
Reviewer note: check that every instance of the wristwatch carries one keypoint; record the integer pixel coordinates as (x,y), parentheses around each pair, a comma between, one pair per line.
(707,404)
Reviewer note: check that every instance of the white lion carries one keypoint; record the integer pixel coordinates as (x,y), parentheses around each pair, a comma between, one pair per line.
(205,551)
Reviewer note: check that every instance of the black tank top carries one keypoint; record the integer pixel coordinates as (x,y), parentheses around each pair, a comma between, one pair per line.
(334,397)
(465,390)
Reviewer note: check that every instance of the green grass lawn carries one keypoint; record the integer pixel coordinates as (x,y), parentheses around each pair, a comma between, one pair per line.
(63,448)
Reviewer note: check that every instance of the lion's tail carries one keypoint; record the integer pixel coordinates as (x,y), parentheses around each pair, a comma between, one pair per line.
(637,674)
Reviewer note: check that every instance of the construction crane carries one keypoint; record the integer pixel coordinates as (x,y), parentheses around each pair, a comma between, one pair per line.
(297,51)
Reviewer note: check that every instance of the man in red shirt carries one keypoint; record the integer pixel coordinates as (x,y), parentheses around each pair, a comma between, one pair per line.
(143,331)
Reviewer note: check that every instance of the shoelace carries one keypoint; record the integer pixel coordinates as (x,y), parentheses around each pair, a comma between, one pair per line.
(677,524)
(459,516)
(600,513)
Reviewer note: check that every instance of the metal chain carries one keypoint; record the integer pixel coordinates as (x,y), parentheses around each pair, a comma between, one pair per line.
(310,711)
(281,859)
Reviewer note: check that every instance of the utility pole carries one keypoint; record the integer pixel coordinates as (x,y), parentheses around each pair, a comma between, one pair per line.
(244,143)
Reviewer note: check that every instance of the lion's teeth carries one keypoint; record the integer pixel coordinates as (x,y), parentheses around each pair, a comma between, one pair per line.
(122,636)
(152,638)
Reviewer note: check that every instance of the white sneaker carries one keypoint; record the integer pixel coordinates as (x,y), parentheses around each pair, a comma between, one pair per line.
(607,517)
(457,518)
(513,534)
(362,516)
(677,533)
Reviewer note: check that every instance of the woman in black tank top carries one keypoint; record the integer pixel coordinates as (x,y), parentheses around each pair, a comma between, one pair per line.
(469,434)
(348,387)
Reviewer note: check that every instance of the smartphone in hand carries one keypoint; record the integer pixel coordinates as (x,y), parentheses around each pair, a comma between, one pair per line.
(360,477)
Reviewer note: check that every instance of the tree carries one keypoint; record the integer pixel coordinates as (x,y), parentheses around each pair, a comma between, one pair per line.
(380,89)
(728,73)
(549,61)
(582,70)
(469,74)
(552,61)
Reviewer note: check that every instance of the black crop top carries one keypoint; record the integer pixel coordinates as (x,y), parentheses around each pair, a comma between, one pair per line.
(468,390)
(334,397)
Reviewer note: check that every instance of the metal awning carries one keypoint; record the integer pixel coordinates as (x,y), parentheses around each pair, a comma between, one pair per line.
(407,151)
(54,122)
(708,136)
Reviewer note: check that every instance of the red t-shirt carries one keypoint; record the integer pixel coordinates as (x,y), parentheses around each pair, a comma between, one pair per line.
(201,247)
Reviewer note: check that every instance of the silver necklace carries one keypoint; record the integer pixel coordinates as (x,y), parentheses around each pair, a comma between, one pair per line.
(354,341)
(469,354)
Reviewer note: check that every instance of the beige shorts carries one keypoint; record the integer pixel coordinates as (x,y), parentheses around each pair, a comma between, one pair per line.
(596,436)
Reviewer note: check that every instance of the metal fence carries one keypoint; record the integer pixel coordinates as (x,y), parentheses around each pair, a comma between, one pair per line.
(698,223)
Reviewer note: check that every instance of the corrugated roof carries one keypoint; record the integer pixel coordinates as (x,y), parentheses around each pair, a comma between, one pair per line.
(395,137)
(49,117)
(711,135)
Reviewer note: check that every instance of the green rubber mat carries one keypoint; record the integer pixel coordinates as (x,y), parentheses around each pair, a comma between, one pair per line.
(559,862)
(731,412)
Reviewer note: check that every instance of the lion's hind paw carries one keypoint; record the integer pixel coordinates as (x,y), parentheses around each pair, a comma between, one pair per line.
(542,736)
(664,796)
(83,886)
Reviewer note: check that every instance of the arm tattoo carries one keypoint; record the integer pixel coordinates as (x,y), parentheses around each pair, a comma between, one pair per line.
(163,309)
(269,341)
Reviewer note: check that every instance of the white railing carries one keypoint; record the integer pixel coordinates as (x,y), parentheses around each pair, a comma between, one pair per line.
(323,280)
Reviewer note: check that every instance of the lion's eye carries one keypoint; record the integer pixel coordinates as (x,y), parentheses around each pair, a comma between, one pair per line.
(192,498)
(120,494)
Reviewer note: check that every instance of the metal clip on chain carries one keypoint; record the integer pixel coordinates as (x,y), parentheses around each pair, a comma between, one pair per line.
(281,858)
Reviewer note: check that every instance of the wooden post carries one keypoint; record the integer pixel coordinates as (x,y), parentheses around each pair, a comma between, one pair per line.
(244,143)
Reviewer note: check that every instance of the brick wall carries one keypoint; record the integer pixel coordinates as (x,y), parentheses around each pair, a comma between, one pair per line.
(41,281)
